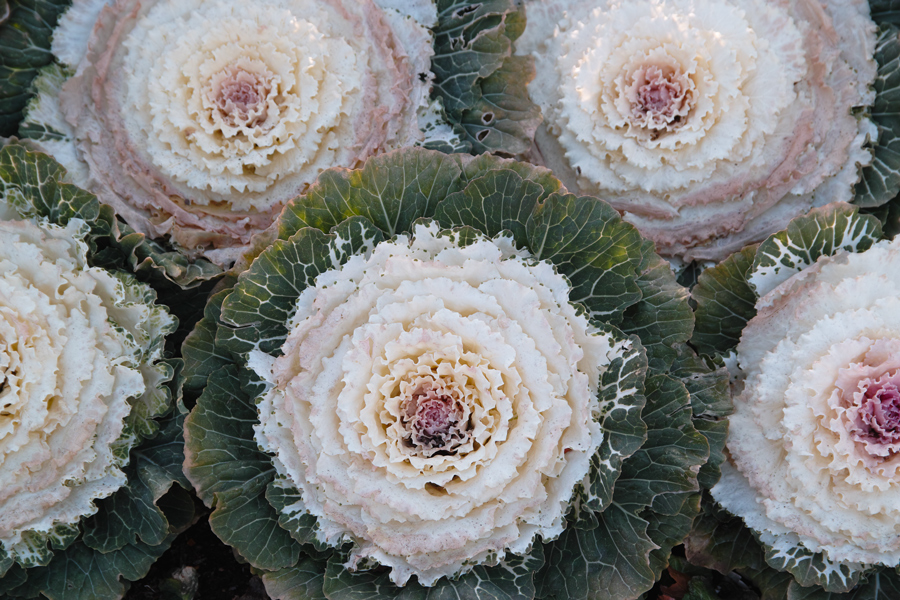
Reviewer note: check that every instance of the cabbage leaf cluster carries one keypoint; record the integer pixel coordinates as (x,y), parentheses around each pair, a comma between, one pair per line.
(90,442)
(334,478)
(810,327)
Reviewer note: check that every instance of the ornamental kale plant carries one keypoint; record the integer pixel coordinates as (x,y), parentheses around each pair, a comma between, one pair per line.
(90,442)
(712,123)
(448,375)
(197,121)
(812,444)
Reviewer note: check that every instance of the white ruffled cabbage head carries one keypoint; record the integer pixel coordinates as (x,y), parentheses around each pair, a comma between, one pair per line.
(434,404)
(710,122)
(199,120)
(76,347)
(814,438)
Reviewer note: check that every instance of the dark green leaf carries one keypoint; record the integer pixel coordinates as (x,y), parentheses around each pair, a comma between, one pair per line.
(244,520)
(885,11)
(220,452)
(708,383)
(469,45)
(883,584)
(497,201)
(34,184)
(201,356)
(475,167)
(504,119)
(813,569)
(479,82)
(880,181)
(512,579)
(127,515)
(654,501)
(725,302)
(293,516)
(590,244)
(12,579)
(25,36)
(391,191)
(303,581)
(80,573)
(663,317)
(132,513)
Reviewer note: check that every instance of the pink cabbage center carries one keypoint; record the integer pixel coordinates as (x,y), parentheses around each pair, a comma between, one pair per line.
(876,414)
(434,420)
(660,97)
(240,97)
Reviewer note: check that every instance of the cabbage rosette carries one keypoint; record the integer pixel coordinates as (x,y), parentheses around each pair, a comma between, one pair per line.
(90,443)
(712,123)
(812,444)
(198,121)
(450,374)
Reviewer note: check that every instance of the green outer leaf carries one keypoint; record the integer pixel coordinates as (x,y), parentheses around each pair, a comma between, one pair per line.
(700,589)
(822,232)
(131,514)
(231,474)
(220,451)
(81,573)
(293,516)
(880,181)
(243,519)
(654,502)
(201,355)
(25,37)
(499,200)
(12,579)
(708,383)
(590,244)
(258,309)
(885,11)
(148,257)
(504,119)
(722,542)
(35,185)
(474,167)
(391,191)
(302,581)
(663,318)
(481,85)
(725,302)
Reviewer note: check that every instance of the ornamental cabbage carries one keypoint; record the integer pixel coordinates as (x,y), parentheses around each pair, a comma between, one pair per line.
(199,120)
(442,390)
(812,443)
(202,134)
(710,123)
(435,403)
(86,431)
